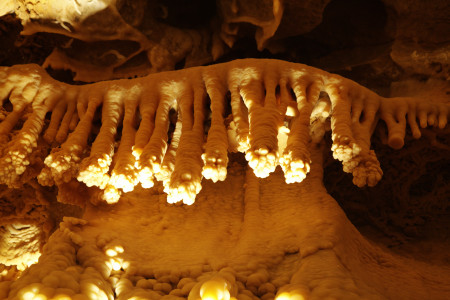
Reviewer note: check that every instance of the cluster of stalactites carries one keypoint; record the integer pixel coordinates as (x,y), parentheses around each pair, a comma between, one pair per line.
(272,111)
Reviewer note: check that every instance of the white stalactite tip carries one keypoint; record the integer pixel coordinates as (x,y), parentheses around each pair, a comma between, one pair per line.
(214,166)
(185,189)
(145,176)
(126,180)
(344,148)
(94,170)
(295,170)
(253,127)
(62,165)
(111,194)
(262,160)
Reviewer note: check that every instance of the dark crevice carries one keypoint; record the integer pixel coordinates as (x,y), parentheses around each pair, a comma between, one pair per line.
(173,117)
(208,113)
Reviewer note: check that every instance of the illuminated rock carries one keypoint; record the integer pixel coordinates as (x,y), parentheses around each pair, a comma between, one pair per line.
(242,237)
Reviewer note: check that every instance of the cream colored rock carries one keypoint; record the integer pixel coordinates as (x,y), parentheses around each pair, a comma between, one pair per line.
(241,233)
(125,39)
(179,166)
(111,39)
(20,244)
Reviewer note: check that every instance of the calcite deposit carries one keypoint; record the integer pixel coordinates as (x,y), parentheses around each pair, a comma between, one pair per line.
(229,243)
(133,167)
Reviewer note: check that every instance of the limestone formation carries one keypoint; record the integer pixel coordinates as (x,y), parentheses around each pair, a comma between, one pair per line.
(272,238)
(229,178)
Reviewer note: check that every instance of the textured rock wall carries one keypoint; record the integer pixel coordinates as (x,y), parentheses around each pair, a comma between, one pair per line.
(396,48)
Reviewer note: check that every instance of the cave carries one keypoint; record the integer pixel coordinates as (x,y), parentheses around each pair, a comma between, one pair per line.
(227,149)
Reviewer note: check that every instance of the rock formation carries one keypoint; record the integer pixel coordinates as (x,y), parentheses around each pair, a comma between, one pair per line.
(279,113)
(214,182)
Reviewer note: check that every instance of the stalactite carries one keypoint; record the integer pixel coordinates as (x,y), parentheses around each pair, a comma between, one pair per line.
(270,100)
(168,164)
(296,158)
(94,169)
(151,157)
(185,181)
(239,110)
(63,163)
(264,120)
(215,158)
(16,159)
(124,174)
